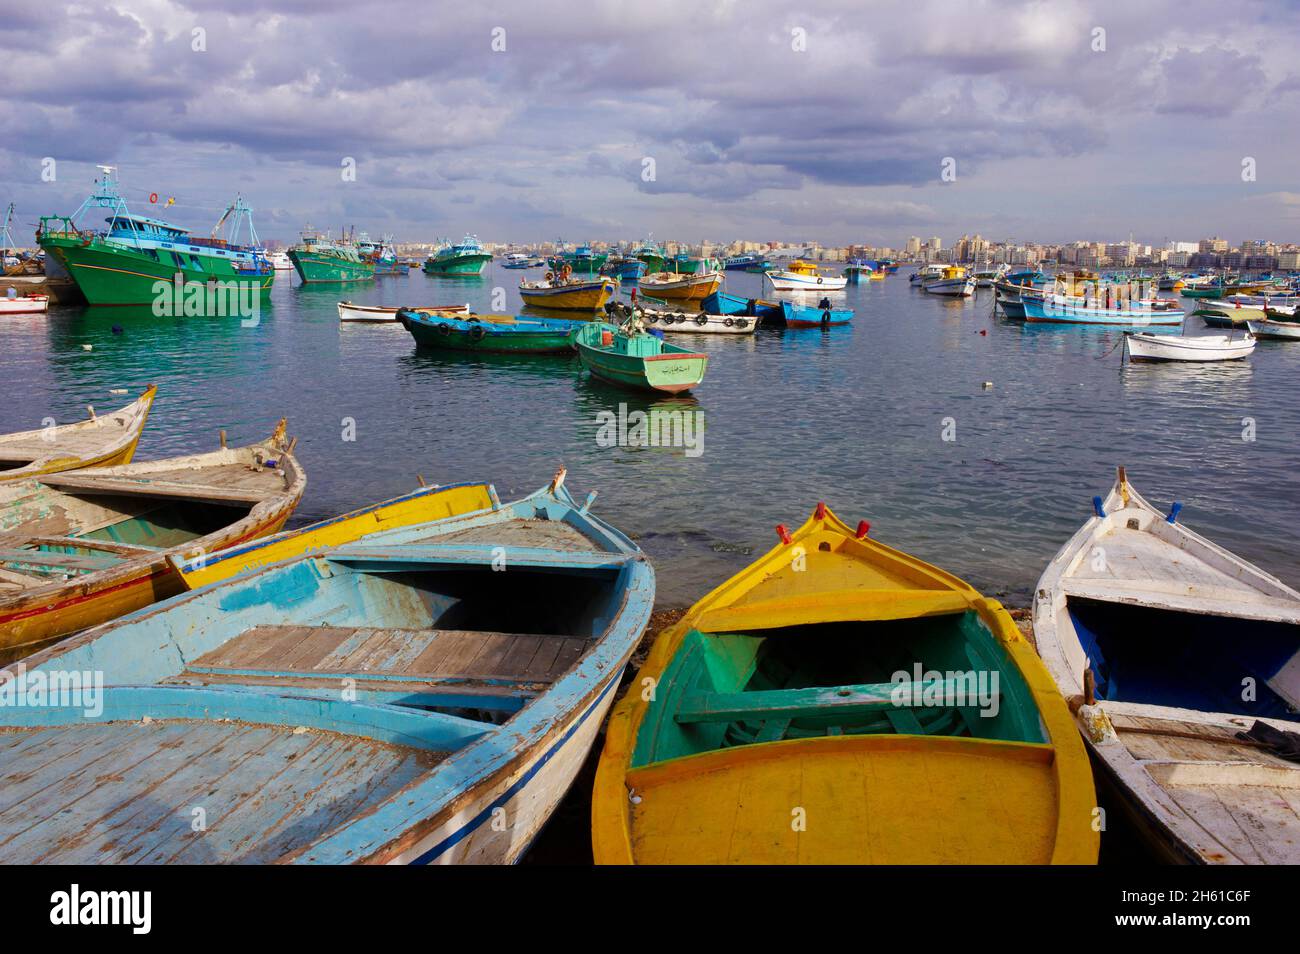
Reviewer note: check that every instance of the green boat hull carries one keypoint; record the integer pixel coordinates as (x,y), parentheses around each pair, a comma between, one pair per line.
(108,274)
(318,267)
(470,265)
(652,365)
(447,336)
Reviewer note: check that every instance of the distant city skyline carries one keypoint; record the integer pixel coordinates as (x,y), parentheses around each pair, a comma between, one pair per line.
(688,121)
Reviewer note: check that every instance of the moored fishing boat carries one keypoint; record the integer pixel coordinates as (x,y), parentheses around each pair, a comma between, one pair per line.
(280,261)
(678,287)
(1073,310)
(803,276)
(30,304)
(823,316)
(747,262)
(720,303)
(477,697)
(1180,661)
(127,262)
(319,258)
(492,333)
(517,260)
(382,313)
(927,273)
(1198,348)
(565,293)
(954,282)
(466,259)
(102,441)
(651,254)
(679,321)
(83,547)
(629,357)
(1277,330)
(581,261)
(835,681)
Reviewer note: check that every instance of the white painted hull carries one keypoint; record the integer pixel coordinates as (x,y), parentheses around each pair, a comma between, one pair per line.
(1183,348)
(953,287)
(792,281)
(1196,791)
(280,262)
(678,322)
(1280,330)
(503,816)
(27,305)
(351,312)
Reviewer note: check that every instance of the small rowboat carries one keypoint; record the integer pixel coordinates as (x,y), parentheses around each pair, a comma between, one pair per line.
(674,322)
(421,506)
(1181,660)
(584,294)
(627,356)
(396,701)
(1279,330)
(1142,347)
(493,333)
(823,316)
(1053,308)
(101,441)
(676,286)
(25,305)
(80,548)
(954,282)
(376,313)
(821,707)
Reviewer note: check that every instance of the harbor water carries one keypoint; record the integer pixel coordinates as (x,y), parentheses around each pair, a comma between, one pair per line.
(969,441)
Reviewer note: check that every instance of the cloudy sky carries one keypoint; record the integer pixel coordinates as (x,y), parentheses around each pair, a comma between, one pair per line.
(827,120)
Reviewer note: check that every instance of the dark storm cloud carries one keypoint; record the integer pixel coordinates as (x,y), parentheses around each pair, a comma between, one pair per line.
(833,102)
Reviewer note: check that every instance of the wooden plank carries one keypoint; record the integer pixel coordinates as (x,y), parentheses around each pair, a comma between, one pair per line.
(69,561)
(145,487)
(846,702)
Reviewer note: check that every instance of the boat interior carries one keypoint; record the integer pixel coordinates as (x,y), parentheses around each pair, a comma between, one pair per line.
(834,679)
(1185,660)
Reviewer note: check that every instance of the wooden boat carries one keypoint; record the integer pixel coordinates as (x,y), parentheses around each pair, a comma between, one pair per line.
(99,441)
(1279,330)
(797,692)
(625,355)
(1170,649)
(565,294)
(679,321)
(955,282)
(1078,310)
(1188,347)
(803,276)
(720,303)
(24,305)
(83,547)
(379,313)
(500,334)
(823,316)
(470,699)
(425,505)
(679,287)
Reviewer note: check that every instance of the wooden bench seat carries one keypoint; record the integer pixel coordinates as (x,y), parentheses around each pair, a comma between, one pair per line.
(310,655)
(847,702)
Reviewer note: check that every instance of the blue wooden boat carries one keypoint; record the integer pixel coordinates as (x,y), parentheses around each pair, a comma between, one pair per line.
(720,303)
(823,316)
(426,695)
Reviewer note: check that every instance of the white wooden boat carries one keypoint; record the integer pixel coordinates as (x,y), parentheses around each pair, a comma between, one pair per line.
(24,305)
(1144,347)
(954,282)
(677,321)
(803,276)
(280,261)
(1168,648)
(1280,330)
(103,440)
(677,286)
(372,313)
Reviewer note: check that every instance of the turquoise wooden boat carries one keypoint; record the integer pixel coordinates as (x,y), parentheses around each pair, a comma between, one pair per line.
(501,334)
(629,357)
(426,695)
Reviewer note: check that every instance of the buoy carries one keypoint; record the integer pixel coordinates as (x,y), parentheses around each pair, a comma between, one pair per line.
(988,385)
(87,347)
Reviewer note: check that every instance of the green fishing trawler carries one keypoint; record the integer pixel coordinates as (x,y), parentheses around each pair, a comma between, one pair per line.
(123,263)
(651,254)
(318,258)
(465,258)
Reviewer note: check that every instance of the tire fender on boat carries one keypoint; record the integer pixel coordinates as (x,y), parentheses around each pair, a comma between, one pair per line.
(444,329)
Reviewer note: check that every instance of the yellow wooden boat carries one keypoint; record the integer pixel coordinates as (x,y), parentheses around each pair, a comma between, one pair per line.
(585,294)
(422,506)
(81,548)
(99,441)
(841,702)
(680,287)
